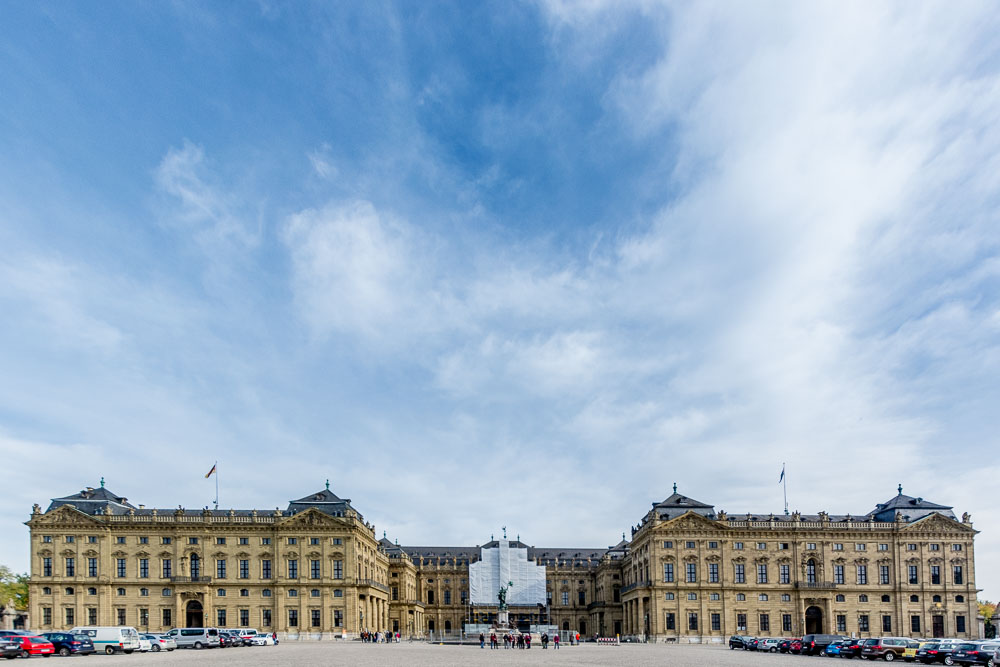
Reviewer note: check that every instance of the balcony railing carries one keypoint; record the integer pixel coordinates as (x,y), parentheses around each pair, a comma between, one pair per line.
(373,584)
(190,580)
(816,585)
(638,584)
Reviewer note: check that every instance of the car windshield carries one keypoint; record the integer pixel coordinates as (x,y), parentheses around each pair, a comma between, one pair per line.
(81,638)
(966,647)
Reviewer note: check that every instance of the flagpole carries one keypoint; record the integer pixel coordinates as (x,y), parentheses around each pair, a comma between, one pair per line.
(217,488)
(784,484)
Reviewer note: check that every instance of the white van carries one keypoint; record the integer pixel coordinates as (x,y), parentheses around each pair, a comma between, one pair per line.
(111,639)
(198,638)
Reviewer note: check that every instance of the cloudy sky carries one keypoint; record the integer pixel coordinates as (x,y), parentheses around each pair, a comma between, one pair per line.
(520,264)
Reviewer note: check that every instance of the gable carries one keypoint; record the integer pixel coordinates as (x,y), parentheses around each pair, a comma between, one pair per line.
(311,518)
(64,514)
(691,521)
(937,523)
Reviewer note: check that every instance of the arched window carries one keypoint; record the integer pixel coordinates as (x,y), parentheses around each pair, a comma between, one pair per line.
(840,597)
(46,591)
(121,591)
(885,598)
(936,598)
(195,566)
(69,591)
(430,597)
(811,571)
(566,626)
(221,592)
(144,592)
(862,598)
(91,591)
(266,593)
(959,598)
(244,593)
(914,598)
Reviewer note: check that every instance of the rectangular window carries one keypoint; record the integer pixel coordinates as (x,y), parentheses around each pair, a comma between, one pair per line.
(782,546)
(265,541)
(70,567)
(293,568)
(447,596)
(165,540)
(863,623)
(741,622)
(689,545)
(668,545)
(761,546)
(692,573)
(70,617)
(91,567)
(244,568)
(933,547)
(716,622)
(960,624)
(220,540)
(811,546)
(581,598)
(935,574)
(713,573)
(91,616)
(837,546)
(862,574)
(957,574)
(886,623)
(121,616)
(692,620)
(713,596)
(738,546)
(692,596)
(314,541)
(192,540)
(841,623)
(121,567)
(144,568)
(915,624)
(338,618)
(293,540)
(739,574)
(314,569)
(762,573)
(883,547)
(784,574)
(47,568)
(956,547)
(315,618)
(220,617)
(565,598)
(765,623)
(244,618)
(220,568)
(244,540)
(713,545)
(166,567)
(668,572)
(46,615)
(860,546)
(338,569)
(912,571)
(265,618)
(265,569)
(293,618)
(47,539)
(883,574)
(786,622)
(167,618)
(120,540)
(671,622)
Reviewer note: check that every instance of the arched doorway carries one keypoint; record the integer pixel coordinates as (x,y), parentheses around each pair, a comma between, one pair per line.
(814,621)
(195,618)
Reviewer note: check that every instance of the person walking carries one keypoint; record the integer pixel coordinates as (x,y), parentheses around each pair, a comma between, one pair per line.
(493,641)
(555,642)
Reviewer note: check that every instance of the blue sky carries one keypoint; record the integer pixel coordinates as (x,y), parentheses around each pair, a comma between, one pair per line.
(520,264)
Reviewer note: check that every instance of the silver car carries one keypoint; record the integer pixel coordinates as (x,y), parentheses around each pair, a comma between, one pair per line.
(159,642)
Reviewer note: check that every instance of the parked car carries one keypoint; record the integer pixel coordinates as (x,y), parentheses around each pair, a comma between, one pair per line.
(262,640)
(196,638)
(933,652)
(886,648)
(910,654)
(795,646)
(738,641)
(851,648)
(68,644)
(833,648)
(145,646)
(975,653)
(35,645)
(159,643)
(247,634)
(770,645)
(815,644)
(783,645)
(111,638)
(10,647)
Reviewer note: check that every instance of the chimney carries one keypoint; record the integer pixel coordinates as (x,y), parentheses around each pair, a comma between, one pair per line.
(142,507)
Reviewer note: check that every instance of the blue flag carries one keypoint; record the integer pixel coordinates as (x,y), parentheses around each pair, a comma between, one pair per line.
(782,478)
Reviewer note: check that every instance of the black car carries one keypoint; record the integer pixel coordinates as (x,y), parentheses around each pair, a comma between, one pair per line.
(933,652)
(784,645)
(10,648)
(67,644)
(816,644)
(851,648)
(738,641)
(975,653)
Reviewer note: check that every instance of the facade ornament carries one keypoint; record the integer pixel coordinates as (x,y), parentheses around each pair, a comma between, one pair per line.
(722,515)
(899,517)
(36,509)
(966,517)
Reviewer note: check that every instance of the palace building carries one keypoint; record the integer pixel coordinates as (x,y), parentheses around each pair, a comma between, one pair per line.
(685,572)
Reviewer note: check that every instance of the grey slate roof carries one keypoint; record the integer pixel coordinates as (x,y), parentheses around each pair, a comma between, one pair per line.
(325,501)
(93,501)
(911,508)
(678,504)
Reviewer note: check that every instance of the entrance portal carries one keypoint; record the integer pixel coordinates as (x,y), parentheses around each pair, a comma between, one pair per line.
(195,616)
(814,621)
(937,626)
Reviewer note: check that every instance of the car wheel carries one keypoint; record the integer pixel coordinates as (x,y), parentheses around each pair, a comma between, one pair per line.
(64,651)
(948,660)
(155,649)
(889,656)
(989,662)
(109,650)
(198,646)
(774,650)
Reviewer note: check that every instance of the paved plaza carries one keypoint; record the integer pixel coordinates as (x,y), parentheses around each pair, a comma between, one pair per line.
(434,655)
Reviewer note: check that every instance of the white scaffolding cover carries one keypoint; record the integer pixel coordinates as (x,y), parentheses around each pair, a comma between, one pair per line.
(503,564)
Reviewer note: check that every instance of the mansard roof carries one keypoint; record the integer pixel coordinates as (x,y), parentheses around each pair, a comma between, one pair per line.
(325,501)
(911,508)
(677,504)
(94,501)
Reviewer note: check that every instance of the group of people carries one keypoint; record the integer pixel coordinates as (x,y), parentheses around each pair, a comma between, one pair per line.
(521,641)
(379,637)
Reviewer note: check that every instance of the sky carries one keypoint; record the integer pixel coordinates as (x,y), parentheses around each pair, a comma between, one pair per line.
(520,264)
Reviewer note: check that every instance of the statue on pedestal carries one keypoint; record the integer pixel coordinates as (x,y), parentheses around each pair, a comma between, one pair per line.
(502,595)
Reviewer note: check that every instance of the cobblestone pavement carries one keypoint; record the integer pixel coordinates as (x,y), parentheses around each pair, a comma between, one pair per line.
(434,655)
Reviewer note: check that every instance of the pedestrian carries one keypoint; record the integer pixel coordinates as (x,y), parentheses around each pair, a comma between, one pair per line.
(527,641)
(482,640)
(555,642)
(545,640)
(578,639)
(493,641)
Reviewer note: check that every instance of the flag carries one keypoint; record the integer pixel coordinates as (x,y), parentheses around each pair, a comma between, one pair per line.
(780,479)
(209,473)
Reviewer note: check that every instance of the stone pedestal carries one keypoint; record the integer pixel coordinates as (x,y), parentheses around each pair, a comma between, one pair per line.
(503,619)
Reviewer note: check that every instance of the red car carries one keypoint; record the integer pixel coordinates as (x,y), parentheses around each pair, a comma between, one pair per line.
(35,645)
(795,646)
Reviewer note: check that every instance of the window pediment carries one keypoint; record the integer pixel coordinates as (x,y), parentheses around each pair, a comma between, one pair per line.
(119,554)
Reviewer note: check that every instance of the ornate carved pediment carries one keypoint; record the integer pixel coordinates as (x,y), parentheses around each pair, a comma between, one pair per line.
(913,560)
(810,554)
(957,560)
(310,518)
(165,554)
(761,559)
(668,558)
(142,554)
(714,558)
(67,553)
(739,559)
(243,554)
(119,554)
(265,554)
(314,554)
(65,515)
(690,559)
(885,560)
(861,561)
(292,554)
(784,560)
(840,560)
(934,523)
(936,560)
(191,551)
(692,521)
(91,553)
(45,552)
(219,554)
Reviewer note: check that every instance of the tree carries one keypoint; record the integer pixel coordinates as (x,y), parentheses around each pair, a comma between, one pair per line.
(13,587)
(987,609)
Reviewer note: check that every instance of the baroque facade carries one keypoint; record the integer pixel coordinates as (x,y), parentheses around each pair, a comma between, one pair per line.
(687,572)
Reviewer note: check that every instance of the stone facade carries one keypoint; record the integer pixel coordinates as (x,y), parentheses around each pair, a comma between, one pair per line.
(687,573)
